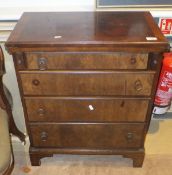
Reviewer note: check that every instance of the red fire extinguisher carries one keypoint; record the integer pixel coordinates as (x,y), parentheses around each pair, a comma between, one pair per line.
(164,91)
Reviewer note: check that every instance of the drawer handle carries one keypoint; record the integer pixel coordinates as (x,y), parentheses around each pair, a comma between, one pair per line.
(138,85)
(44,136)
(41,111)
(133,60)
(42,63)
(35,82)
(129,136)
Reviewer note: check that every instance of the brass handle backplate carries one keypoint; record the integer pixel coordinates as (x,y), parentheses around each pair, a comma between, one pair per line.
(138,85)
(42,63)
(44,136)
(41,111)
(129,136)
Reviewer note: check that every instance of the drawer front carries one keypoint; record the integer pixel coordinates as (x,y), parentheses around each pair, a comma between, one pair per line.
(87,136)
(80,61)
(86,109)
(87,83)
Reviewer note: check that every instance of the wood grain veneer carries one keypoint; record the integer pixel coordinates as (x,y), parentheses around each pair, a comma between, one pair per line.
(87,81)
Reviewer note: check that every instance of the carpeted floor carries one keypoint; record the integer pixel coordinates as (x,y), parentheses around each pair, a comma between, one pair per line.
(92,165)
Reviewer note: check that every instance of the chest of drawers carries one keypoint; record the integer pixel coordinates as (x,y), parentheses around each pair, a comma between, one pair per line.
(87,81)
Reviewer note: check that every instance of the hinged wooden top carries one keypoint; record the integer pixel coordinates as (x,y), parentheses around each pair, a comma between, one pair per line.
(85,29)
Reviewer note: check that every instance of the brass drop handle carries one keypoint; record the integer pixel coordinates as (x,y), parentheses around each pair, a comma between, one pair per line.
(42,63)
(35,82)
(129,136)
(44,136)
(133,60)
(41,111)
(138,85)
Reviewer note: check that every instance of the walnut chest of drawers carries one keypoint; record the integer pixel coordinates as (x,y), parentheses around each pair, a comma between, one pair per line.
(87,81)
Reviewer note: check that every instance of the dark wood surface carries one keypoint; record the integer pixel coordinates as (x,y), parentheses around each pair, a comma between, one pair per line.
(68,109)
(97,69)
(84,29)
(100,136)
(81,61)
(87,83)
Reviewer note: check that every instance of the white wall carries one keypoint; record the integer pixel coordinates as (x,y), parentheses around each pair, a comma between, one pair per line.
(12,9)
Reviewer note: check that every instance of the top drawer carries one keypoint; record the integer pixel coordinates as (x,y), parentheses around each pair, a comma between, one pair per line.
(83,60)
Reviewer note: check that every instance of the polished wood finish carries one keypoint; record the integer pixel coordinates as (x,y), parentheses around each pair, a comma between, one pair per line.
(87,81)
(87,136)
(81,61)
(67,109)
(120,30)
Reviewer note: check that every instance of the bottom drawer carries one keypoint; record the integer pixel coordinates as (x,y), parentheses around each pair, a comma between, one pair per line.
(87,136)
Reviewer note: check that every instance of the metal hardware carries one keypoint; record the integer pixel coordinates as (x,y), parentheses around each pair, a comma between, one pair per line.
(21,61)
(138,85)
(42,63)
(44,136)
(35,82)
(129,136)
(41,111)
(153,63)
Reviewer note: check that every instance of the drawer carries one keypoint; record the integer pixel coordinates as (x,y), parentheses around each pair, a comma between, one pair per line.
(86,109)
(87,136)
(81,61)
(66,83)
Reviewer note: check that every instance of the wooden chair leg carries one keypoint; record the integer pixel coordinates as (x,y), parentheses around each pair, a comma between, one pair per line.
(7,98)
(14,130)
